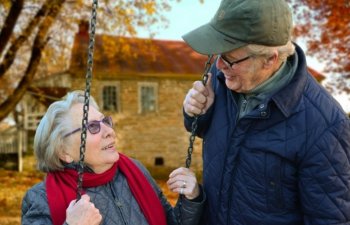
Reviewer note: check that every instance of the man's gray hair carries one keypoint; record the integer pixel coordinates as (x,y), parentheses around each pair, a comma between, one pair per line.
(284,51)
(49,136)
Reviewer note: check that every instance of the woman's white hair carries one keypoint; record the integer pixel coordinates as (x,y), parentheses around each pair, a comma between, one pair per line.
(49,136)
(284,51)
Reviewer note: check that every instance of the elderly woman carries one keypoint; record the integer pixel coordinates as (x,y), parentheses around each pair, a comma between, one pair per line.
(117,189)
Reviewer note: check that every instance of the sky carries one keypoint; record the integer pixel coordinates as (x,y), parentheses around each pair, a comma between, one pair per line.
(187,15)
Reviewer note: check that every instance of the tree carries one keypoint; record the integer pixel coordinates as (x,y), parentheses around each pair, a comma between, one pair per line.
(325,25)
(35,34)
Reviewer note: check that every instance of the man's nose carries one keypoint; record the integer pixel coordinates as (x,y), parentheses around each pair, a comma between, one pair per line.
(220,64)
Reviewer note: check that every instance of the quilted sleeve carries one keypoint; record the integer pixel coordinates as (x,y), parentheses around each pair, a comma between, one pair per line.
(35,210)
(202,122)
(324,173)
(189,212)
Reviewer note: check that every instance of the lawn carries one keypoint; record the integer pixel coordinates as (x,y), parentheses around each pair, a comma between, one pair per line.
(13,186)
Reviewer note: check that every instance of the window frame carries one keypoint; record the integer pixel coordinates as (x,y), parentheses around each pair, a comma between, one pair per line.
(153,85)
(115,84)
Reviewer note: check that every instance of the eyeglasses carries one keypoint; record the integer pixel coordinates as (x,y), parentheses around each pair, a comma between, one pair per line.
(234,62)
(94,126)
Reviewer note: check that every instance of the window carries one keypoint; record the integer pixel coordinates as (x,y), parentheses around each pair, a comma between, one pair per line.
(147,97)
(110,98)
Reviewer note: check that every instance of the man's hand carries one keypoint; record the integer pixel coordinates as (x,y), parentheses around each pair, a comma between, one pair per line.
(199,98)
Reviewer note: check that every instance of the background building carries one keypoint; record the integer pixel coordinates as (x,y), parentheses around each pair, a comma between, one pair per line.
(142,91)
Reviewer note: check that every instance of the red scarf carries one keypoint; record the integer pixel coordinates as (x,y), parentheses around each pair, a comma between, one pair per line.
(61,190)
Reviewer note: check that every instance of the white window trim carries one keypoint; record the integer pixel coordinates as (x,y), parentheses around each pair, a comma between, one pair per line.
(147,84)
(110,83)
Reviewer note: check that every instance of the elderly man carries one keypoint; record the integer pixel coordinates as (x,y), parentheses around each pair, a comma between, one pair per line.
(276,145)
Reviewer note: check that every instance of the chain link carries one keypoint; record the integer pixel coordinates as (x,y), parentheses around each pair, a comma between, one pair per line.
(195,121)
(87,97)
(193,135)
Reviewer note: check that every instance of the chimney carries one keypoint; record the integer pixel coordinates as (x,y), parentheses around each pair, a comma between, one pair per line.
(83,32)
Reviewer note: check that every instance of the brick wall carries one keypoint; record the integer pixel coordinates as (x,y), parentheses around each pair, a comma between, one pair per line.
(153,135)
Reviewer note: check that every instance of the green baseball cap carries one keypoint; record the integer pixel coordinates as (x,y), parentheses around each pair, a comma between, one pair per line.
(241,22)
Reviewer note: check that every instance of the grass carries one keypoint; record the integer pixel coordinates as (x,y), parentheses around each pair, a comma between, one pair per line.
(13,186)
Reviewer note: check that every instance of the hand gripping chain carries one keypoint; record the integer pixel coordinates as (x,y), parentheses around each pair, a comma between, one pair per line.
(87,98)
(195,121)
(193,133)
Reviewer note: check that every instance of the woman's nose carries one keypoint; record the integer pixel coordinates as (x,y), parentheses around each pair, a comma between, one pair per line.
(107,131)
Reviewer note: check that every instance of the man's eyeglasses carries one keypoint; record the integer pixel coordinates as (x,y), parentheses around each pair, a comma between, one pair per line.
(234,62)
(94,126)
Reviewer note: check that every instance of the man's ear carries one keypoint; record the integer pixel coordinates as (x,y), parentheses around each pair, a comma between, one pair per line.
(65,157)
(271,60)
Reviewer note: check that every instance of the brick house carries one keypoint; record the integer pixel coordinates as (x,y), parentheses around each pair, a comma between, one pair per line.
(143,94)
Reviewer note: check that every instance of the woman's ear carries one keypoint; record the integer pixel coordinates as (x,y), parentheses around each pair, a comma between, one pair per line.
(65,157)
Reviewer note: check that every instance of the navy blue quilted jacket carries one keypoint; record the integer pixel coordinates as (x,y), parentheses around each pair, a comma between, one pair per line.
(287,162)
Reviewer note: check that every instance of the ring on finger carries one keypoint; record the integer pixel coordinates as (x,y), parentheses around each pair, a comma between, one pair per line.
(181,191)
(183,184)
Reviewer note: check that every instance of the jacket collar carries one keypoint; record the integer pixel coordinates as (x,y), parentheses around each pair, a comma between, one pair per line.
(288,97)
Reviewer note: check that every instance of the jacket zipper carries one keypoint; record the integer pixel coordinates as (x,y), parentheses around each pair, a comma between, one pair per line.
(118,204)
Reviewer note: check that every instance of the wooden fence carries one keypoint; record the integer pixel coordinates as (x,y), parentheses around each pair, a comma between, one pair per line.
(13,141)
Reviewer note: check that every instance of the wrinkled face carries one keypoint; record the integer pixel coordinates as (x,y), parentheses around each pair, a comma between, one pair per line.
(245,75)
(100,151)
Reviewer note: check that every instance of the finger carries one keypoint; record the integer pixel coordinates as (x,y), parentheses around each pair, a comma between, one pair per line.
(176,171)
(180,171)
(192,110)
(182,174)
(177,183)
(198,86)
(85,197)
(191,105)
(183,182)
(197,97)
(208,85)
(207,89)
(198,102)
(72,203)
(182,191)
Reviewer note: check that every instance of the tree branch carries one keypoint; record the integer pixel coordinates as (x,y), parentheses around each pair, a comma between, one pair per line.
(38,46)
(18,42)
(10,22)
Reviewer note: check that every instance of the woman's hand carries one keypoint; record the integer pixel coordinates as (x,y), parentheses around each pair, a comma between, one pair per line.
(83,212)
(183,181)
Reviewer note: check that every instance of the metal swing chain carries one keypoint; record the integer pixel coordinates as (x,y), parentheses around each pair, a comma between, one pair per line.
(193,133)
(87,97)
(195,121)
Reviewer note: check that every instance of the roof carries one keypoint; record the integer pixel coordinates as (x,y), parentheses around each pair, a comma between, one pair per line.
(124,57)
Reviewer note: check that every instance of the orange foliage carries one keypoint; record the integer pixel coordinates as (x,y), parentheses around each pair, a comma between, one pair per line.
(325,25)
(52,24)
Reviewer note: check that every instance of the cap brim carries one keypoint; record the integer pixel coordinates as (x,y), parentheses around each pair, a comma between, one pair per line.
(206,40)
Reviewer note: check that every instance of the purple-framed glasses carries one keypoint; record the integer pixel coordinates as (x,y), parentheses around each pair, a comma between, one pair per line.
(94,126)
(234,62)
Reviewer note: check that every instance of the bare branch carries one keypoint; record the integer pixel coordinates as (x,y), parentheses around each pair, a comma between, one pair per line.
(38,46)
(10,22)
(17,43)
